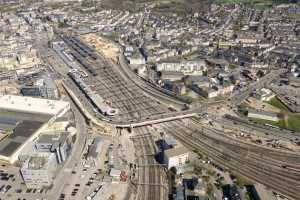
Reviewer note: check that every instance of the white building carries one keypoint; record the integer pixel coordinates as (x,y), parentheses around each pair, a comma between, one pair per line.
(31,105)
(263,115)
(38,170)
(265,94)
(136,60)
(176,156)
(194,67)
(54,143)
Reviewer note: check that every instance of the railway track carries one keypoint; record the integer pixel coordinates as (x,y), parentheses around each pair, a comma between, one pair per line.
(278,154)
(277,132)
(122,94)
(151,181)
(258,164)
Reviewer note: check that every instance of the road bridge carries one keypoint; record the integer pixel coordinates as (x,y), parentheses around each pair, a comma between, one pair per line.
(160,119)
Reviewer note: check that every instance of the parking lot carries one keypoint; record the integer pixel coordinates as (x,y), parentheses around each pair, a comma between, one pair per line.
(12,186)
(86,175)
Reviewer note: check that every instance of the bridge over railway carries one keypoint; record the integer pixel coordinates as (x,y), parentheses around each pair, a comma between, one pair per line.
(156,119)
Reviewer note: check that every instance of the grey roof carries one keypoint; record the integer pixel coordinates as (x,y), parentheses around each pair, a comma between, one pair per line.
(95,147)
(49,83)
(7,123)
(196,78)
(7,148)
(20,116)
(26,128)
(262,112)
(53,138)
(171,74)
(20,134)
(176,151)
(37,162)
(30,91)
(8,120)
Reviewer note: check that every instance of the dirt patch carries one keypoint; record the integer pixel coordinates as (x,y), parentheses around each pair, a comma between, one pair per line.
(102,45)
(260,105)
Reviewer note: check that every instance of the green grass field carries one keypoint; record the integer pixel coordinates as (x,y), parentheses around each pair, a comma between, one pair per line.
(280,123)
(290,120)
(278,104)
(293,122)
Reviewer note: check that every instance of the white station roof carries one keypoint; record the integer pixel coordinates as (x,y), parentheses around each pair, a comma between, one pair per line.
(32,105)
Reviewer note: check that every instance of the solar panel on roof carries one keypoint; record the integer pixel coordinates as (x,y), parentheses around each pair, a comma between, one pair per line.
(10,148)
(8,120)
(30,91)
(26,128)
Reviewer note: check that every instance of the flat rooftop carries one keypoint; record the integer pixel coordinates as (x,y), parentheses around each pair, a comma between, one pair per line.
(16,116)
(20,134)
(177,151)
(37,162)
(54,139)
(31,105)
(51,138)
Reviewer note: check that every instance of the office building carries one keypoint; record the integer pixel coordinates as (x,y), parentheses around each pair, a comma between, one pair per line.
(57,143)
(176,156)
(38,170)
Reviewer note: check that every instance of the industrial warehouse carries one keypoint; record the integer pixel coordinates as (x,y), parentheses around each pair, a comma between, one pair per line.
(22,119)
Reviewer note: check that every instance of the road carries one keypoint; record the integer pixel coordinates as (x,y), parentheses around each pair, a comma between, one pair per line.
(240,96)
(62,177)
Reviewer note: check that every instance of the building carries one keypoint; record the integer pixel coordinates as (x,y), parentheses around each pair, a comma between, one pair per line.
(115,173)
(33,115)
(200,81)
(171,76)
(265,94)
(231,192)
(176,156)
(195,188)
(57,143)
(259,114)
(177,88)
(214,91)
(95,149)
(193,67)
(38,170)
(225,89)
(54,108)
(32,91)
(95,98)
(136,59)
(206,92)
(18,135)
(47,88)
